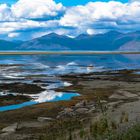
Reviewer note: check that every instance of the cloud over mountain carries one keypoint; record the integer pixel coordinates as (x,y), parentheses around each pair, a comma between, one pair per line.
(102,15)
(25,20)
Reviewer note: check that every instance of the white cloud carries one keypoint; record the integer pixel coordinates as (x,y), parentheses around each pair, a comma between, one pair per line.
(13,35)
(103,15)
(5,13)
(38,17)
(90,31)
(28,10)
(24,25)
(21,15)
(36,8)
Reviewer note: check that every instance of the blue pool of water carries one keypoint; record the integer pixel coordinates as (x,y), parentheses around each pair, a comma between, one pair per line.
(64,97)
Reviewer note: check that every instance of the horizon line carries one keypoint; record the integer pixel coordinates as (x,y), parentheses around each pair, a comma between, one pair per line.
(32,52)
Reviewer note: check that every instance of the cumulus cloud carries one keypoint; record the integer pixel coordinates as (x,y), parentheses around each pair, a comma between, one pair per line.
(103,15)
(5,13)
(36,8)
(24,16)
(30,10)
(39,17)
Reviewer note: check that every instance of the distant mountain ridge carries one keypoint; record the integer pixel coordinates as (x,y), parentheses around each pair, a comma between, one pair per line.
(7,45)
(109,41)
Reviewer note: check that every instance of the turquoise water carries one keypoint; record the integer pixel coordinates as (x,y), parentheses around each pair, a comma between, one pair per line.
(64,97)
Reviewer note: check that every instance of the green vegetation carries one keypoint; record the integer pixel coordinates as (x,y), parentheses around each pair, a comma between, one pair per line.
(101,128)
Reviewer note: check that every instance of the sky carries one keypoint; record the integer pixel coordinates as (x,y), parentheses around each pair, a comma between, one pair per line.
(28,19)
(81,2)
(65,2)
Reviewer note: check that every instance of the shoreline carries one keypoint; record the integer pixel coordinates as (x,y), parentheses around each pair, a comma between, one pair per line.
(117,90)
(70,78)
(66,52)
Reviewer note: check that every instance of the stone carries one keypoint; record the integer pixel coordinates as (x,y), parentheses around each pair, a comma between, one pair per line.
(82,110)
(127,94)
(103,101)
(81,104)
(114,104)
(92,109)
(117,96)
(45,119)
(11,128)
(67,112)
(120,94)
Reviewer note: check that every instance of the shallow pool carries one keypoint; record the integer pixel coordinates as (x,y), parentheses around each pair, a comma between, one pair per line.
(63,96)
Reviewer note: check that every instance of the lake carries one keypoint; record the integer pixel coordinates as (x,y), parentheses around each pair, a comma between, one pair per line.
(47,69)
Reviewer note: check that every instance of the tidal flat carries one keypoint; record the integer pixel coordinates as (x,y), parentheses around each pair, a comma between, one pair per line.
(107,108)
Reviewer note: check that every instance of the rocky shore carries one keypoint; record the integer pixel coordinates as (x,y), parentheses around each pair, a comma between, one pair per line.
(113,94)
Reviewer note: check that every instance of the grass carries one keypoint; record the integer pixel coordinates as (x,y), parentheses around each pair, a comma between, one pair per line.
(132,133)
(11,99)
(103,128)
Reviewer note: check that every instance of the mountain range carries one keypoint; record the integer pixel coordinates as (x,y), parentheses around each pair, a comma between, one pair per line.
(109,41)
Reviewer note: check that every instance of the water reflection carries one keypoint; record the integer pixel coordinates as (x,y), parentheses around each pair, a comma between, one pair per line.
(28,68)
(50,96)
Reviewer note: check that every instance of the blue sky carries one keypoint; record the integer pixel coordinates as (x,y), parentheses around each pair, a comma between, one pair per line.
(78,2)
(65,2)
(27,19)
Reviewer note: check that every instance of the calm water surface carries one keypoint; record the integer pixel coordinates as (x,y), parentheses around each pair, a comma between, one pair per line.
(25,68)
